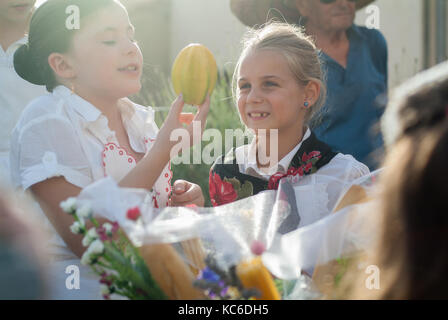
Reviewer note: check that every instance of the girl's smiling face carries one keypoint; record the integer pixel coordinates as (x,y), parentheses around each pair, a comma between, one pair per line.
(269,96)
(105,58)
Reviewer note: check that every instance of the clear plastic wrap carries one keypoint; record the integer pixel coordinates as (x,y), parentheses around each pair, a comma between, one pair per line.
(227,233)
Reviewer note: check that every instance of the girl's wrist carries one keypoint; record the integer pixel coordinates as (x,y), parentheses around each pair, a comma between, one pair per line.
(162,147)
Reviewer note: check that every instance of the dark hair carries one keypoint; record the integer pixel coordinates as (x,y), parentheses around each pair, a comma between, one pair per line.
(415,214)
(48,34)
(420,102)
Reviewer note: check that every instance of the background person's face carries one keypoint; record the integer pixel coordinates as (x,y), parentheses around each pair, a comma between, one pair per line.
(15,11)
(336,16)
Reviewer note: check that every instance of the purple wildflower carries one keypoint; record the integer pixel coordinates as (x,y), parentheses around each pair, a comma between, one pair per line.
(209,275)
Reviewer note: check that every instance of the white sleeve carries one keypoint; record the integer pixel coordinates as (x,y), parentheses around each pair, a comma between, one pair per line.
(356,170)
(48,147)
(346,168)
(147,115)
(338,175)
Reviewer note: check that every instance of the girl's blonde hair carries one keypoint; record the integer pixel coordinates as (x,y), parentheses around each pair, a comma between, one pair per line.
(299,51)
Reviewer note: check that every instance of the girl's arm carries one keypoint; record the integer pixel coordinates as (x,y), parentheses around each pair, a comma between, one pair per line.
(51,192)
(145,174)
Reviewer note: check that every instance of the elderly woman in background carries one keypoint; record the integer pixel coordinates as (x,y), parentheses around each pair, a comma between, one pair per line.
(355,62)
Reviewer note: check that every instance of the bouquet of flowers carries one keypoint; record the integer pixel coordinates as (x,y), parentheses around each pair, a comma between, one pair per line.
(112,256)
(177,252)
(248,249)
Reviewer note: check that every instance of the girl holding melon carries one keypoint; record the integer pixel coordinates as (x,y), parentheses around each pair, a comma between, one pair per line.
(86,128)
(279,87)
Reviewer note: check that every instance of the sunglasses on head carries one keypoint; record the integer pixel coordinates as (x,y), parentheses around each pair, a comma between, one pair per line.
(331,1)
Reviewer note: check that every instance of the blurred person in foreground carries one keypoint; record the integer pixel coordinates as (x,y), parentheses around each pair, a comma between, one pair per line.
(22,258)
(412,251)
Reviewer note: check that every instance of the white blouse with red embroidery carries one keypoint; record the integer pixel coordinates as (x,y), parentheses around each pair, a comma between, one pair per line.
(61,134)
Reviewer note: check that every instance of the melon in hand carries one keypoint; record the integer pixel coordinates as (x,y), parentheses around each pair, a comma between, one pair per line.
(194,73)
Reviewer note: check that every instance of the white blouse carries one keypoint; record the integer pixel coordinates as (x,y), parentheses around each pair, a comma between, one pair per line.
(15,94)
(61,134)
(316,194)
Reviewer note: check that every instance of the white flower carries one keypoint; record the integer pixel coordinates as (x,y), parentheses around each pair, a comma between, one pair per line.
(76,227)
(104,290)
(96,247)
(85,212)
(89,237)
(69,205)
(82,222)
(92,233)
(108,227)
(86,258)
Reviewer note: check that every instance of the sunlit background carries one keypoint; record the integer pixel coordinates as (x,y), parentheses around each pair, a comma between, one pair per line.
(416,31)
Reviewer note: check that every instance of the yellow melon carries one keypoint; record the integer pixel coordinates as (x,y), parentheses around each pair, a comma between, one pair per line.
(194,73)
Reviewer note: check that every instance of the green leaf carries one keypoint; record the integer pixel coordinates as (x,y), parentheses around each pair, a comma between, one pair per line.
(235,183)
(246,190)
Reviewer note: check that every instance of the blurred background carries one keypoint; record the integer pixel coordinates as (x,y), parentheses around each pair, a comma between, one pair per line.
(415,30)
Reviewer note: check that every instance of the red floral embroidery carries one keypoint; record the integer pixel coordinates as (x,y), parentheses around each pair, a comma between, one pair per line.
(275,179)
(313,154)
(305,168)
(308,167)
(221,192)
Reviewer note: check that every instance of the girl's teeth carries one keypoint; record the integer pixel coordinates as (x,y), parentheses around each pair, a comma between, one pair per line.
(257,115)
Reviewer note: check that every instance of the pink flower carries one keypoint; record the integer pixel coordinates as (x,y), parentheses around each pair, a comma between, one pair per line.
(133,213)
(257,248)
(115,227)
(105,279)
(102,233)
